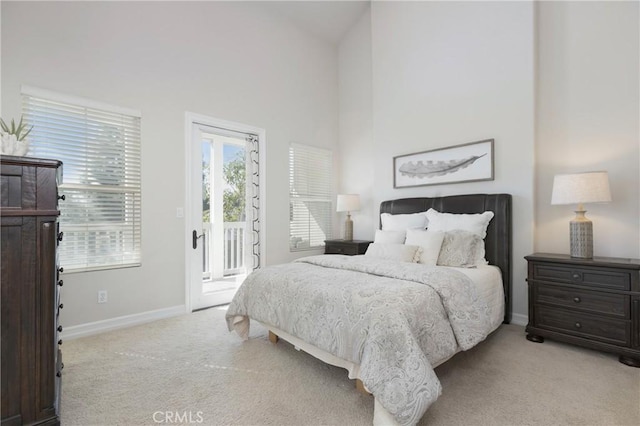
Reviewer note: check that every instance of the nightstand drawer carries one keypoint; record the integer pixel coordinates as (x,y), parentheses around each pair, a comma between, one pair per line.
(594,277)
(608,330)
(585,300)
(335,248)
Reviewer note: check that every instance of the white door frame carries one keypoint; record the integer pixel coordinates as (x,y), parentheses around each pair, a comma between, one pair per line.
(195,119)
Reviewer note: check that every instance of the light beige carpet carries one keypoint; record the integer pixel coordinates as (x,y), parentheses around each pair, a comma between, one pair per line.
(190,369)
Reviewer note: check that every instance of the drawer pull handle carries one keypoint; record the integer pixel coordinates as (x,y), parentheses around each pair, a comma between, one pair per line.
(60,342)
(61,283)
(61,269)
(60,328)
(60,235)
(578,325)
(577,299)
(61,306)
(62,197)
(58,374)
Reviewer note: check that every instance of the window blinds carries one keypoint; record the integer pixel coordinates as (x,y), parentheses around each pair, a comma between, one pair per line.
(99,146)
(310,196)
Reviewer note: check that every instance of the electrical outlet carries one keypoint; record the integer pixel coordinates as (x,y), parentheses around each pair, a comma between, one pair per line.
(102,296)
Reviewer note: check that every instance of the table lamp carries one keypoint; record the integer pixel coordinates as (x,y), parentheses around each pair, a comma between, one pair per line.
(581,188)
(348,203)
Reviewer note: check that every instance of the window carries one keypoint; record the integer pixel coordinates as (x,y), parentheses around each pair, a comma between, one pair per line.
(99,146)
(310,196)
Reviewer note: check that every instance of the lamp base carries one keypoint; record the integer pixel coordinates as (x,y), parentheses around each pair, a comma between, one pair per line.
(348,228)
(581,236)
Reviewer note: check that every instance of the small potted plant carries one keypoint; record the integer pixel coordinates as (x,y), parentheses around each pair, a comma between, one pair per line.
(14,138)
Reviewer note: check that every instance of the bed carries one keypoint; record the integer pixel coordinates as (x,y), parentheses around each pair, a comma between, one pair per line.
(388,323)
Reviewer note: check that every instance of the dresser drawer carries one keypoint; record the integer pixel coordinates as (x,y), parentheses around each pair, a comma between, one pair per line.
(608,330)
(59,305)
(20,185)
(584,300)
(595,277)
(58,381)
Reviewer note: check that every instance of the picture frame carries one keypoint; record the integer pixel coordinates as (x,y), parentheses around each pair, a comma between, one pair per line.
(469,162)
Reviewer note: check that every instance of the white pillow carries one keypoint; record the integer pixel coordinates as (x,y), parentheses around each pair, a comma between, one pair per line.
(402,222)
(476,223)
(400,252)
(461,249)
(389,237)
(429,241)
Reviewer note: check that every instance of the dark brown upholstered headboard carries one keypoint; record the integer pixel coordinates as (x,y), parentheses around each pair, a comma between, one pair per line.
(498,243)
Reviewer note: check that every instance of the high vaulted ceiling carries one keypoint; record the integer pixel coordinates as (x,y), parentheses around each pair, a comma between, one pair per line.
(329,20)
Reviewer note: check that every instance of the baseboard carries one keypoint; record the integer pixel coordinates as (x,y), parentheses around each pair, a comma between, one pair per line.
(97,327)
(519,319)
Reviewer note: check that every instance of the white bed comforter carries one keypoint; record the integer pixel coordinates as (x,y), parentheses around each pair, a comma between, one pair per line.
(394,319)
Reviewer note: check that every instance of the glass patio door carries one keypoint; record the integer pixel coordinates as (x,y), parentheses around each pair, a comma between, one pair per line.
(221,235)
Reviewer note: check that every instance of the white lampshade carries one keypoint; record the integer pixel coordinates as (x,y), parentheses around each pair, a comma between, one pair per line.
(579,188)
(348,203)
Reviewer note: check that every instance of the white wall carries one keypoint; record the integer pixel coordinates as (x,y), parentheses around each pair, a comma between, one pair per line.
(449,73)
(446,73)
(356,125)
(411,77)
(233,61)
(588,119)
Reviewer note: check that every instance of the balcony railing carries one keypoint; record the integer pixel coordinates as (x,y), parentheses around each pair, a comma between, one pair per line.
(233,243)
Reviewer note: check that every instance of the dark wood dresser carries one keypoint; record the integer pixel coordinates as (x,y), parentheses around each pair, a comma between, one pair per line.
(351,247)
(588,302)
(31,358)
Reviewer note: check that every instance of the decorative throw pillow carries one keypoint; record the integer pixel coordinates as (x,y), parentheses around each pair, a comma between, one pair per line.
(476,223)
(429,241)
(460,248)
(402,222)
(399,252)
(389,237)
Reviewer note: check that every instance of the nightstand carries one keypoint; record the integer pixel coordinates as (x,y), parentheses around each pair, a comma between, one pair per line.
(593,303)
(350,248)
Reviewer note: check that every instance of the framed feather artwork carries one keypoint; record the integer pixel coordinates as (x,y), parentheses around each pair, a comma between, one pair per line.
(469,162)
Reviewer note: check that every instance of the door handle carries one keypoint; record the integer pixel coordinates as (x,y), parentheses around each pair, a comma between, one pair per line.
(194,238)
